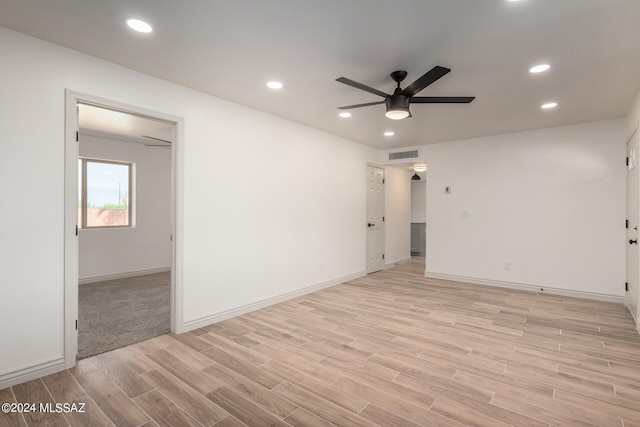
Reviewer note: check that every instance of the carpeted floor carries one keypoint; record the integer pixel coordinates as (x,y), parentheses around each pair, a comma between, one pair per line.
(116,313)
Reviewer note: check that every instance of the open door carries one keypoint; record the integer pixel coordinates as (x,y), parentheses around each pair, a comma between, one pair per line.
(633,260)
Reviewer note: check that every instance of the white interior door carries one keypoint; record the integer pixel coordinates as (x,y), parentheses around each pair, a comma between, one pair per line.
(633,271)
(375,219)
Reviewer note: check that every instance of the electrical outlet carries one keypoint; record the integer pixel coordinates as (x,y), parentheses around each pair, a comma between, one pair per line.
(507,265)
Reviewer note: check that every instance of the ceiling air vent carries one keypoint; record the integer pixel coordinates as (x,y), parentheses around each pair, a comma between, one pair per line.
(403,155)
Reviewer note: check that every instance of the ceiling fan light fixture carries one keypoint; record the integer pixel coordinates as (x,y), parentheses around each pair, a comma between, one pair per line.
(397,107)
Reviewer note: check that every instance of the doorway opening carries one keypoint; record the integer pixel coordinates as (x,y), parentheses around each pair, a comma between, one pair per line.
(120,226)
(418,213)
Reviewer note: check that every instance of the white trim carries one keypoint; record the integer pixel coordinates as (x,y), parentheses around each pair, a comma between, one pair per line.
(527,287)
(393,264)
(32,372)
(228,314)
(70,230)
(125,275)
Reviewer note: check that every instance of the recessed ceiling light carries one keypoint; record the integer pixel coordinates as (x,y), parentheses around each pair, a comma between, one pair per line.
(139,26)
(274,85)
(539,68)
(345,114)
(549,105)
(389,133)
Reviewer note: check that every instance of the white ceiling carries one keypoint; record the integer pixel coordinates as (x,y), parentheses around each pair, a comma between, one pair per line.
(230,49)
(114,124)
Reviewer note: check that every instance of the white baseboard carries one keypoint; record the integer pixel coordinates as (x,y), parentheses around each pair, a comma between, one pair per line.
(527,287)
(228,314)
(125,275)
(32,372)
(396,263)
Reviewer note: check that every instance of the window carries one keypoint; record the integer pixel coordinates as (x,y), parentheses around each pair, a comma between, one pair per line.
(104,193)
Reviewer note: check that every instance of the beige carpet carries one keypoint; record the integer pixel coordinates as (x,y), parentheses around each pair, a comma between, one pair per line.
(116,313)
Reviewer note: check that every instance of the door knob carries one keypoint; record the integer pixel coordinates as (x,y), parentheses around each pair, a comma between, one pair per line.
(633,242)
(370,225)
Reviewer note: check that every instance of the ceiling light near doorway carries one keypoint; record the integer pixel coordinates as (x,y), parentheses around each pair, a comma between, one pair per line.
(275,85)
(549,105)
(419,167)
(139,26)
(539,68)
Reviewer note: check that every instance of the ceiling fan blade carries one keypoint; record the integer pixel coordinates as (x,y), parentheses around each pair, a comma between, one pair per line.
(361,86)
(348,107)
(442,99)
(429,77)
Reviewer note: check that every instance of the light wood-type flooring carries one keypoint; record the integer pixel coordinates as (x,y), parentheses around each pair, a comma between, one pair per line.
(389,349)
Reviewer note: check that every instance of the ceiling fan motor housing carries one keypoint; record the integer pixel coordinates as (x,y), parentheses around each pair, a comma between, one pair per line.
(398,102)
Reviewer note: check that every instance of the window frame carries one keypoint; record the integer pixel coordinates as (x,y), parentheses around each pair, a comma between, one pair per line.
(83,161)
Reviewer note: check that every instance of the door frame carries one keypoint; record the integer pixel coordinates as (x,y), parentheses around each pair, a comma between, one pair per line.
(628,302)
(71,265)
(383,228)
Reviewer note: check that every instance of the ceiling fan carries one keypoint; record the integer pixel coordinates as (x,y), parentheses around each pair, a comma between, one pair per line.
(398,103)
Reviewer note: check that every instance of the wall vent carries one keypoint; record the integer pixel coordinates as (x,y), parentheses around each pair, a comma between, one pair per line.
(413,154)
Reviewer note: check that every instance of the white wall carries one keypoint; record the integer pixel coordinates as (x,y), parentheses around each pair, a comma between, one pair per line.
(147,246)
(397,209)
(551,202)
(419,201)
(266,206)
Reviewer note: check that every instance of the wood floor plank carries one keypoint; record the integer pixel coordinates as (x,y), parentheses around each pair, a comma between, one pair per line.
(192,377)
(319,406)
(163,411)
(243,367)
(194,403)
(243,409)
(92,414)
(114,403)
(467,416)
(63,386)
(11,418)
(337,395)
(395,403)
(251,390)
(33,393)
(301,417)
(380,416)
(125,377)
(543,410)
(601,404)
